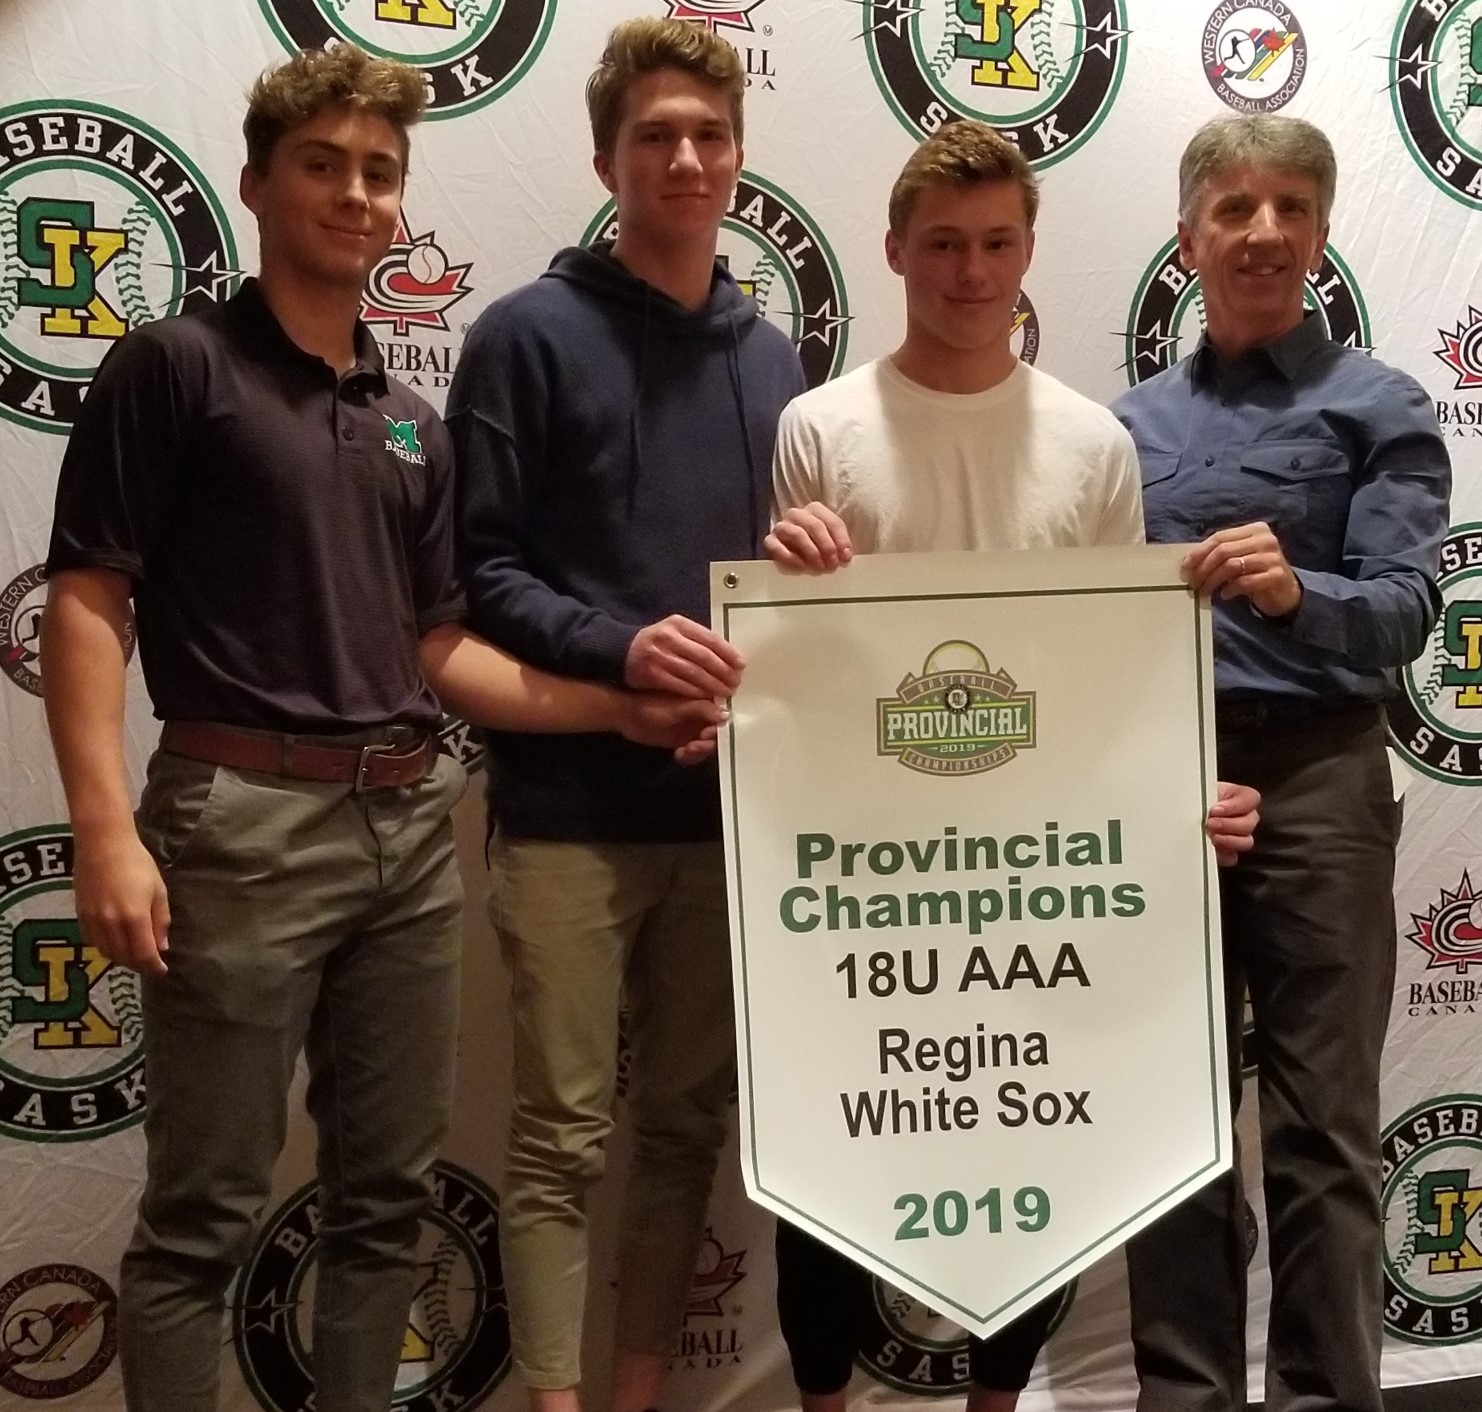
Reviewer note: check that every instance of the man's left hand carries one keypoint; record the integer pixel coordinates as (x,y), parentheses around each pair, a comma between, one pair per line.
(684,724)
(1232,821)
(1246,561)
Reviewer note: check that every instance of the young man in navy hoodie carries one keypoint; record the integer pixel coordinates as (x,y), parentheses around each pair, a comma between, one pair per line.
(613,423)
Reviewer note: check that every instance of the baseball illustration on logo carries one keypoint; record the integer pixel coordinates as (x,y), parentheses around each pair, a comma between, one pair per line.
(1435,87)
(105,224)
(1432,1204)
(456,1348)
(58,1331)
(1254,55)
(780,258)
(1167,315)
(1436,720)
(470,51)
(71,1023)
(1450,931)
(1043,72)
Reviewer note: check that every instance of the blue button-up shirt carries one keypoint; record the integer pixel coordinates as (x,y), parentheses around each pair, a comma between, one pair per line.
(1343,458)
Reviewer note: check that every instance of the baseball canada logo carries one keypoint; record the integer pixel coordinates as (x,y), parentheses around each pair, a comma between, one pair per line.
(71,1025)
(1432,1203)
(959,717)
(1461,352)
(1043,72)
(58,1331)
(1435,86)
(735,15)
(1436,720)
(456,1348)
(470,51)
(1255,56)
(779,257)
(907,1345)
(704,1343)
(104,225)
(1450,933)
(1167,315)
(21,604)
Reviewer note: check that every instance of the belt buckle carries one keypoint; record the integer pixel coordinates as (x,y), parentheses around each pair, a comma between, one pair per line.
(363,764)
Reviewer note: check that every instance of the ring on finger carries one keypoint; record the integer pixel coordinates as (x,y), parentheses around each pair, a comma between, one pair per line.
(1240,566)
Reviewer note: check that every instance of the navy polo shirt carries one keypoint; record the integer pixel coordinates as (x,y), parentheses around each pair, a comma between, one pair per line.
(289,531)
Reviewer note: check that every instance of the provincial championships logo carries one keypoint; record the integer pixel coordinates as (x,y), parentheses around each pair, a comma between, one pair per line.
(959,717)
(470,51)
(908,1346)
(779,257)
(1436,720)
(1043,72)
(71,1025)
(456,1348)
(1435,87)
(104,225)
(58,1331)
(1432,1204)
(1167,315)
(1254,55)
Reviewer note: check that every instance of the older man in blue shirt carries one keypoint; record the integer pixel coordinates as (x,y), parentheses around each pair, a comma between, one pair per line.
(1315,481)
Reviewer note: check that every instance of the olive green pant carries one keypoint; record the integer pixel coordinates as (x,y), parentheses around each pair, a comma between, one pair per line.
(306,917)
(584,926)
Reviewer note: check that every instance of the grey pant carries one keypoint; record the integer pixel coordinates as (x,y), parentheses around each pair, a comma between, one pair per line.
(1309,926)
(304,917)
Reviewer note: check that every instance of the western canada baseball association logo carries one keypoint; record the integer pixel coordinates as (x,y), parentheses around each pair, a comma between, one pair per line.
(470,51)
(1024,336)
(1461,352)
(71,1024)
(456,1347)
(1254,55)
(58,1331)
(21,603)
(1435,87)
(105,224)
(779,257)
(1436,720)
(908,1346)
(1167,315)
(1045,73)
(1432,1204)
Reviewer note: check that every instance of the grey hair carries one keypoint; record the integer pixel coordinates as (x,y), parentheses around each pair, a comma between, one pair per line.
(1260,140)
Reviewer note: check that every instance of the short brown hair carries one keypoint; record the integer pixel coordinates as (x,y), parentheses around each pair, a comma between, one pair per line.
(1257,140)
(302,87)
(964,153)
(646,45)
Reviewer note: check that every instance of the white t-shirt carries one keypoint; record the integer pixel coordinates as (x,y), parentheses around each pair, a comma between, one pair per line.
(1028,464)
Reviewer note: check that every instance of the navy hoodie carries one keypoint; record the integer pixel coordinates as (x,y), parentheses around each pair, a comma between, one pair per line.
(610,445)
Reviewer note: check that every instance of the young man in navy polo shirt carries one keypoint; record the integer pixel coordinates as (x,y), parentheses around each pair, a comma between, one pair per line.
(279,510)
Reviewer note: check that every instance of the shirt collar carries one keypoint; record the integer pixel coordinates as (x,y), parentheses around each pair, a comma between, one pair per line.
(260,320)
(1284,355)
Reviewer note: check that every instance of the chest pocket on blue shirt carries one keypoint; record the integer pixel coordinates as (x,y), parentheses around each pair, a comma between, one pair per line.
(1301,489)
(1171,518)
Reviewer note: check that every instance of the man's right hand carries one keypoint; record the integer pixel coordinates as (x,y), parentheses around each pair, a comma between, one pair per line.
(809,539)
(680,656)
(122,906)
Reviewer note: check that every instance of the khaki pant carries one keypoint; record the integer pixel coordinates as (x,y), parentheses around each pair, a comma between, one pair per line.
(583,926)
(304,916)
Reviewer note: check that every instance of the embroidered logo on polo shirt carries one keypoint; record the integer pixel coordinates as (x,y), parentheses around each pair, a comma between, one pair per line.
(455,1349)
(1435,89)
(1045,73)
(1167,315)
(58,1331)
(1254,55)
(780,258)
(402,441)
(470,52)
(105,224)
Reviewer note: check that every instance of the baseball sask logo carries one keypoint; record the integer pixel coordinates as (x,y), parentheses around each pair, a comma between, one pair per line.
(470,51)
(1450,933)
(104,225)
(1167,315)
(456,1348)
(959,717)
(779,257)
(910,1347)
(703,1344)
(1432,1203)
(71,1025)
(1255,56)
(21,604)
(1043,72)
(462,741)
(1461,352)
(1435,85)
(58,1331)
(1436,720)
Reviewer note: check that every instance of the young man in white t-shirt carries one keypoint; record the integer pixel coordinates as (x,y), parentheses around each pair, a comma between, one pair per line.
(949,443)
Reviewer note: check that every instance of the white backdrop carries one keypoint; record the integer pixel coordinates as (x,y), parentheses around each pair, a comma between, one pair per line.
(119,150)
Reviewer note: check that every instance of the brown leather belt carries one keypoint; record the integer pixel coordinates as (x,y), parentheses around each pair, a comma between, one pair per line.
(378,765)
